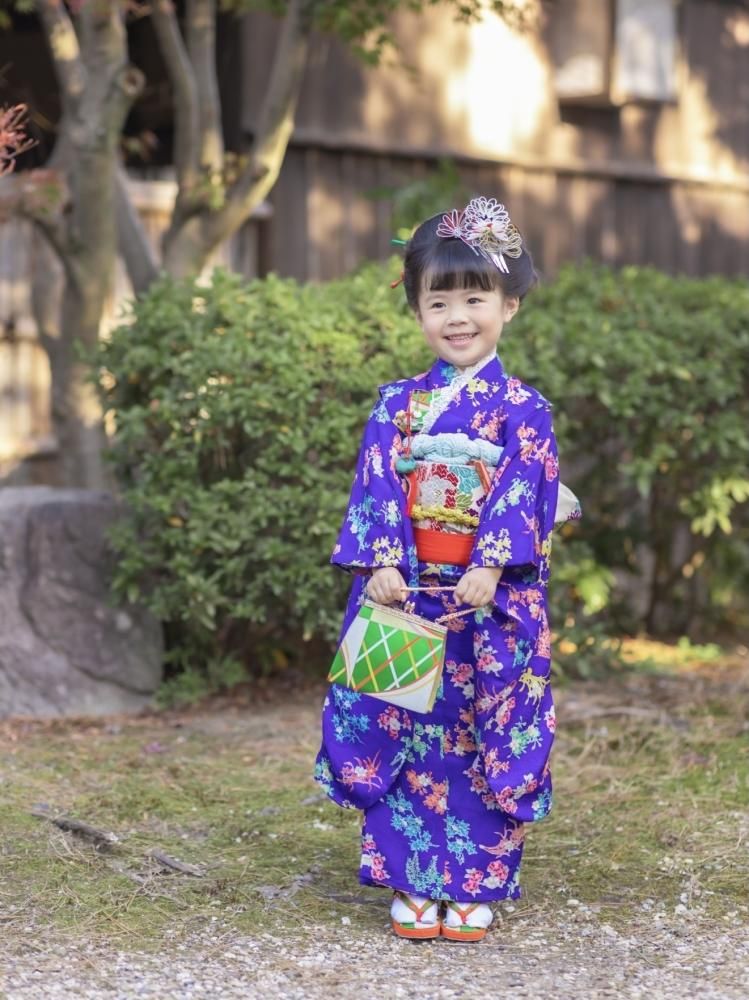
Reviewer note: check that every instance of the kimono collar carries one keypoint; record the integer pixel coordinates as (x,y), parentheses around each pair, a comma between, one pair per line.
(442,374)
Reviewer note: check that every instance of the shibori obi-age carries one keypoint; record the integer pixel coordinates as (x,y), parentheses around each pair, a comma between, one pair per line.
(453,504)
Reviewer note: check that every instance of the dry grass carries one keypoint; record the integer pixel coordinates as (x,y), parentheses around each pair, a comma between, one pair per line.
(652,807)
(652,791)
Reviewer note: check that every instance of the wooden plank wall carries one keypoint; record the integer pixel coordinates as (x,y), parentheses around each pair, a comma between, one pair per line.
(24,369)
(325,220)
(647,182)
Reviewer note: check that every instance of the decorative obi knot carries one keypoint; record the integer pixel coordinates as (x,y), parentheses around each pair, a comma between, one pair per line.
(456,449)
(449,476)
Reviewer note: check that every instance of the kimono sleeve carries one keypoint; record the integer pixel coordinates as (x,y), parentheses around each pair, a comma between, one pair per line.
(518,515)
(372,533)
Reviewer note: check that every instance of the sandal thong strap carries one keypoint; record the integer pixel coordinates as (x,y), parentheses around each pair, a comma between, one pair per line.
(463,912)
(419,911)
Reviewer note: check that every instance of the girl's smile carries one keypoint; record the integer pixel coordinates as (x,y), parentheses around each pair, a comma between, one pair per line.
(463,325)
(461,338)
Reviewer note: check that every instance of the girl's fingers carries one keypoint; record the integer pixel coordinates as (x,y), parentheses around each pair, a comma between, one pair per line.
(383,589)
(476,598)
(389,596)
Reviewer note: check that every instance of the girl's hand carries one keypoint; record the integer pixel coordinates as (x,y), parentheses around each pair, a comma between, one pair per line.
(477,586)
(386,585)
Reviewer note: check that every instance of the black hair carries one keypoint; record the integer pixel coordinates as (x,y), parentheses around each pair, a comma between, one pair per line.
(451,263)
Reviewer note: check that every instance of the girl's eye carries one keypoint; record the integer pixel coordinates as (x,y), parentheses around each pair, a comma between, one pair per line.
(474,299)
(437,305)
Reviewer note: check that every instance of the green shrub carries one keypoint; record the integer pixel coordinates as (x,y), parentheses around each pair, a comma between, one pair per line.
(650,379)
(239,408)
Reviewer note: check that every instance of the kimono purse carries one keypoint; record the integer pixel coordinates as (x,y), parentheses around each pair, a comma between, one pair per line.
(389,654)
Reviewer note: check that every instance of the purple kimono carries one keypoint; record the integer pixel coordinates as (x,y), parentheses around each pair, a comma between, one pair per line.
(446,795)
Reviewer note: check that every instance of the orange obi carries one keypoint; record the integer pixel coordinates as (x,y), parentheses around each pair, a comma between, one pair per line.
(443,546)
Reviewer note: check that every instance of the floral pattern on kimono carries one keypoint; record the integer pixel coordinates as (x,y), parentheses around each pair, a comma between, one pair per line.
(446,794)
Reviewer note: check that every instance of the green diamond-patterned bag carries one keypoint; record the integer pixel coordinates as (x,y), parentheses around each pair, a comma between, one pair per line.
(392,655)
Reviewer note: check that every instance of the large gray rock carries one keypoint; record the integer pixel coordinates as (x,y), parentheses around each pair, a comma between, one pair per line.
(65,649)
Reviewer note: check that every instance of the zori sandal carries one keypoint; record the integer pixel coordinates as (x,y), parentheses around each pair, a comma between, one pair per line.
(466,922)
(414,916)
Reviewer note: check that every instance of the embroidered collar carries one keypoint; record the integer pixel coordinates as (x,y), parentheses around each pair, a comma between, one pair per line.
(454,380)
(442,374)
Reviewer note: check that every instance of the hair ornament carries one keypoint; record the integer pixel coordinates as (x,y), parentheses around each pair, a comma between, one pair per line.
(451,225)
(484,225)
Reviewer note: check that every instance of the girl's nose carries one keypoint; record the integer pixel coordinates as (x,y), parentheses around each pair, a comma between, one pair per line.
(457,316)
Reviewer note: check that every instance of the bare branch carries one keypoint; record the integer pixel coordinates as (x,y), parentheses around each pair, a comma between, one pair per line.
(114,83)
(167,861)
(101,838)
(95,136)
(65,51)
(40,196)
(182,77)
(201,44)
(133,242)
(276,124)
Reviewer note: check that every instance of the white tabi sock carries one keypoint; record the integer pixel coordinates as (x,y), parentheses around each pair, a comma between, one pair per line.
(481,916)
(403,914)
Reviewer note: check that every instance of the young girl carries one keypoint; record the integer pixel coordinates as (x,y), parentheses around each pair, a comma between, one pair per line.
(456,486)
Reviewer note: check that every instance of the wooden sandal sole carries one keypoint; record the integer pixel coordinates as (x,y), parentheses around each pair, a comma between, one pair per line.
(466,934)
(415,933)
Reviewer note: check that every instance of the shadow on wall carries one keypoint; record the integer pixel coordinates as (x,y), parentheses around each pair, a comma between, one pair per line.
(658,183)
(678,226)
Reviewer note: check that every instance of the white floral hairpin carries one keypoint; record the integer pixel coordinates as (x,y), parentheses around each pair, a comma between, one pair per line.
(484,225)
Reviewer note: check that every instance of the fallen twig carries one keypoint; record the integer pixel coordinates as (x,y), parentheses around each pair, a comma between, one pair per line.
(599,713)
(179,866)
(101,838)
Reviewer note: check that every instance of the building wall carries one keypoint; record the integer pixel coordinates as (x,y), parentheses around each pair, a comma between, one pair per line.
(603,174)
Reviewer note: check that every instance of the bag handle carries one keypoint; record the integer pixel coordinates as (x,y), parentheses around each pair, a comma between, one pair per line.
(455,614)
(450,615)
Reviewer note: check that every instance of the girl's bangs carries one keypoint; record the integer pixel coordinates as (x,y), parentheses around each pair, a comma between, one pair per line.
(454,265)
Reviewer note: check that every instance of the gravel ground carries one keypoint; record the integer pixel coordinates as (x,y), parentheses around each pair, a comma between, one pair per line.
(552,951)
(570,953)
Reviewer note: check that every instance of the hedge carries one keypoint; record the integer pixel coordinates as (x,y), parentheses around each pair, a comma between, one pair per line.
(238,410)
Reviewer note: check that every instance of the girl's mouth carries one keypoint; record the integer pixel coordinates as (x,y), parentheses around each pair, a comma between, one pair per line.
(460,338)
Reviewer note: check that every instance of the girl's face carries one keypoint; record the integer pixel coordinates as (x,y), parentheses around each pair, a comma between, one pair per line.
(463,325)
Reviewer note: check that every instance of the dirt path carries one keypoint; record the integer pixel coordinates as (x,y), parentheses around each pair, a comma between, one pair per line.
(636,888)
(572,956)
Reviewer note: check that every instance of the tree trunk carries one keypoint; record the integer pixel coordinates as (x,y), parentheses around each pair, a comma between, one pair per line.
(98,87)
(186,250)
(58,306)
(78,418)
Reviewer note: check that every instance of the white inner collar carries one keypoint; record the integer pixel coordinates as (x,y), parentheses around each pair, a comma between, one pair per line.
(441,398)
